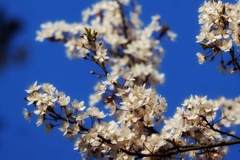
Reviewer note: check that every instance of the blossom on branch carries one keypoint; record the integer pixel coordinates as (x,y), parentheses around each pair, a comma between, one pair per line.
(220,32)
(125,116)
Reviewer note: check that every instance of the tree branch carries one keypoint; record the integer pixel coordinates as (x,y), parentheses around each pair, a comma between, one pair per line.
(125,27)
(219,131)
(182,149)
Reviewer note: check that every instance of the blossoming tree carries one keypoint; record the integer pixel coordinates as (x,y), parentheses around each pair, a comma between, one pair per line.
(125,116)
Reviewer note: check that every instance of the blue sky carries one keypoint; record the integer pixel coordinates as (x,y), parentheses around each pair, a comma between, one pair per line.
(47,62)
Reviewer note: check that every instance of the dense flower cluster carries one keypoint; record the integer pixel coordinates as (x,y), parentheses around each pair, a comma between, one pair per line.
(135,126)
(230,111)
(219,32)
(134,130)
(132,47)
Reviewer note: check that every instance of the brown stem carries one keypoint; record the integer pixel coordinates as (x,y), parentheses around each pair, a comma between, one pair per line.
(219,131)
(234,59)
(125,27)
(182,149)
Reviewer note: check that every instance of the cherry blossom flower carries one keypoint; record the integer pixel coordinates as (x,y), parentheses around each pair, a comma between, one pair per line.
(33,88)
(201,58)
(78,105)
(63,100)
(94,112)
(101,55)
(26,114)
(125,108)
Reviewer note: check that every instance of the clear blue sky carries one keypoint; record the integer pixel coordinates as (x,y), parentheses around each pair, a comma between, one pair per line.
(47,62)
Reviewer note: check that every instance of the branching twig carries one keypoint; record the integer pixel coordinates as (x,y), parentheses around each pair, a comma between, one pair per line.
(182,149)
(219,131)
(125,27)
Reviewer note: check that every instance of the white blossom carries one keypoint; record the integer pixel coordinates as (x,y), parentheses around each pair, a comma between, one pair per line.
(125,108)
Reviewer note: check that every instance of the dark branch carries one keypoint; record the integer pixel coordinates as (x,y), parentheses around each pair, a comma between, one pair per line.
(219,131)
(182,149)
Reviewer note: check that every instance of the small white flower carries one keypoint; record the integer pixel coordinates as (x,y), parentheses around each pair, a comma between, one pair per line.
(33,88)
(48,88)
(171,35)
(64,128)
(129,76)
(78,105)
(226,45)
(201,58)
(94,112)
(101,89)
(101,54)
(111,79)
(26,114)
(40,120)
(63,100)
(41,109)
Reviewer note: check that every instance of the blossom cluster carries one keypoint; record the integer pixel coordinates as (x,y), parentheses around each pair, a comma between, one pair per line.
(229,112)
(196,122)
(132,47)
(133,125)
(219,32)
(135,117)
(138,112)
